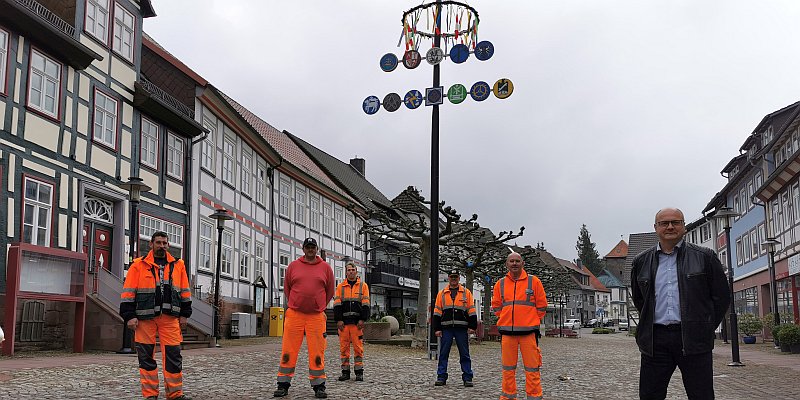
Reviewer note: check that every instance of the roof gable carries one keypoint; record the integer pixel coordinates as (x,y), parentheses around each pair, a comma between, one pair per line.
(619,251)
(637,244)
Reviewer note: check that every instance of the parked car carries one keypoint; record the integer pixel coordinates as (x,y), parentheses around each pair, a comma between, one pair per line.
(623,325)
(572,324)
(592,323)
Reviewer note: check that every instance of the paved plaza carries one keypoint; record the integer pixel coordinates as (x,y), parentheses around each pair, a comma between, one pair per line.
(590,367)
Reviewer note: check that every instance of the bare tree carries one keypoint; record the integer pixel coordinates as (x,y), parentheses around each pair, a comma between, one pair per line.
(407,222)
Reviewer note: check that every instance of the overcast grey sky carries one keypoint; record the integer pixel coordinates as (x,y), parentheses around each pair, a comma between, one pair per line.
(619,107)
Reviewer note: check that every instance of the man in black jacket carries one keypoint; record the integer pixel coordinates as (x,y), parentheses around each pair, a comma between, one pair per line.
(681,292)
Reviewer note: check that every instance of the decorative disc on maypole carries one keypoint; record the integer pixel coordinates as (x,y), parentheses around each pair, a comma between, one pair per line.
(456,25)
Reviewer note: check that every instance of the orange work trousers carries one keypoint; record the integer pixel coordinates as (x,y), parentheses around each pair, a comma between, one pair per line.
(295,325)
(510,346)
(168,330)
(351,334)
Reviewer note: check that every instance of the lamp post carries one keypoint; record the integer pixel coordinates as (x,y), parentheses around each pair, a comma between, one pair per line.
(221,215)
(135,187)
(724,214)
(769,245)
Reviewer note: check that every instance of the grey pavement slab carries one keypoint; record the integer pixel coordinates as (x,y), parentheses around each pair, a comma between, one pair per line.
(597,367)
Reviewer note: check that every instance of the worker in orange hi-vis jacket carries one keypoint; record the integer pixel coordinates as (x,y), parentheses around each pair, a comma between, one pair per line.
(309,287)
(519,301)
(351,310)
(156,301)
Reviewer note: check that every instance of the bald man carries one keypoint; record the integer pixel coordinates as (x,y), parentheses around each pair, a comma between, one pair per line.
(682,294)
(519,301)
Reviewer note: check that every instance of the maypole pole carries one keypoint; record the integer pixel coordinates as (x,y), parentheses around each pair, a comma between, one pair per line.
(463,41)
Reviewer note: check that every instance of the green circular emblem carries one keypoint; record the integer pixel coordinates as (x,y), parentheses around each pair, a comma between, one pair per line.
(457,93)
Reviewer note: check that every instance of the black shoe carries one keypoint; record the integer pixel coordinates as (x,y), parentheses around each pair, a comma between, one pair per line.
(345,375)
(440,382)
(183,397)
(280,392)
(359,377)
(468,384)
(319,392)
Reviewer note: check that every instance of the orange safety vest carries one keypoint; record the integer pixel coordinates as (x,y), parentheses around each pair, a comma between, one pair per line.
(352,300)
(454,313)
(143,280)
(519,304)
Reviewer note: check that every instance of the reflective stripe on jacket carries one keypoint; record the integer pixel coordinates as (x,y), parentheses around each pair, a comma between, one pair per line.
(142,296)
(351,302)
(458,313)
(519,304)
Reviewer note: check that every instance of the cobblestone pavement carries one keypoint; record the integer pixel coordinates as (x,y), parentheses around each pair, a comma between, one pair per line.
(598,367)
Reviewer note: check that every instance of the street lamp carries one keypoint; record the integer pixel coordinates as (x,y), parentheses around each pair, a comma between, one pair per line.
(135,187)
(725,214)
(769,246)
(221,215)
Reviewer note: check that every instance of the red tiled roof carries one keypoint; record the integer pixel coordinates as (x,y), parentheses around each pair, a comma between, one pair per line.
(594,282)
(619,251)
(285,146)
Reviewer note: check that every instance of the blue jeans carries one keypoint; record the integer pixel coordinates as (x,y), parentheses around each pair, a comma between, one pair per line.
(462,341)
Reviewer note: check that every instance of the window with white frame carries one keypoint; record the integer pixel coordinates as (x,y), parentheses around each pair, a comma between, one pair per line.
(327,214)
(739,252)
(723,257)
(775,218)
(338,223)
(123,32)
(261,182)
(338,272)
(705,232)
(766,137)
(244,258)
(750,192)
(96,23)
(746,247)
(736,203)
(3,59)
(758,179)
(228,152)
(44,88)
(207,151)
(149,225)
(357,235)
(754,244)
(283,263)
(796,201)
(743,200)
(300,205)
(149,143)
(259,261)
(247,171)
(285,195)
(761,238)
(227,252)
(348,228)
(314,217)
(174,156)
(105,119)
(786,210)
(38,212)
(206,244)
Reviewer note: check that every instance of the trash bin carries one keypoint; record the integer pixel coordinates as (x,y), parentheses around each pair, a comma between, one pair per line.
(276,321)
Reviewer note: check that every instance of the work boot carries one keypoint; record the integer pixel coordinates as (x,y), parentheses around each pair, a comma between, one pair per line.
(282,391)
(319,391)
(440,382)
(182,397)
(468,384)
(359,376)
(345,375)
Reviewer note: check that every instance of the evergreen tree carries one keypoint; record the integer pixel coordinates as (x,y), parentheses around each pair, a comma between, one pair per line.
(587,253)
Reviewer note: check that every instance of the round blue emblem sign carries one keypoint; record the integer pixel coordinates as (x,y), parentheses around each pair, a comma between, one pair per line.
(484,50)
(388,62)
(371,105)
(459,53)
(413,99)
(480,91)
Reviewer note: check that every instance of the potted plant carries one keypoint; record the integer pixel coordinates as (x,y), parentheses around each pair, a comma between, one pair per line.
(790,335)
(775,330)
(750,325)
(377,329)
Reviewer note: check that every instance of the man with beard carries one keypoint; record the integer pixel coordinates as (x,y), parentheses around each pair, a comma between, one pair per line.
(156,301)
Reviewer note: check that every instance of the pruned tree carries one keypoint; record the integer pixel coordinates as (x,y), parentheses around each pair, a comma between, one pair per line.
(407,224)
(587,253)
(478,253)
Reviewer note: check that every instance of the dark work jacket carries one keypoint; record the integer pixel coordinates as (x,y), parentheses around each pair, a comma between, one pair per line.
(703,292)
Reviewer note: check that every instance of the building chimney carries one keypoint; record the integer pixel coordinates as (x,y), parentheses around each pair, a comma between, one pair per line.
(360,165)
